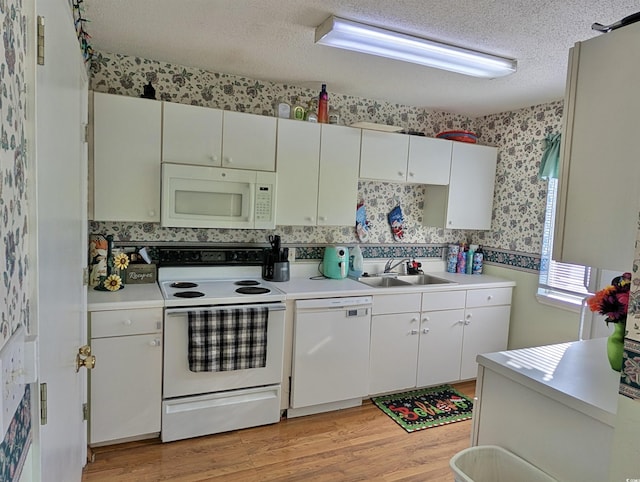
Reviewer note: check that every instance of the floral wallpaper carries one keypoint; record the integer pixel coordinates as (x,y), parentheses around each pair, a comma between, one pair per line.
(516,235)
(630,374)
(14,243)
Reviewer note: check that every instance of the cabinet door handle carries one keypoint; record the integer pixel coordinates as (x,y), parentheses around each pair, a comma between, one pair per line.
(425,319)
(425,331)
(413,320)
(155,342)
(152,213)
(322,218)
(489,298)
(229,160)
(127,322)
(413,332)
(400,174)
(411,174)
(213,158)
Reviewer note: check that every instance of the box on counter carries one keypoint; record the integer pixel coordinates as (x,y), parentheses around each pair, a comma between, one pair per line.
(140,274)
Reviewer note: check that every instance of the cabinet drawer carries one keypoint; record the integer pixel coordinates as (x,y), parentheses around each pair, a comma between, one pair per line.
(443,300)
(406,303)
(125,322)
(488,297)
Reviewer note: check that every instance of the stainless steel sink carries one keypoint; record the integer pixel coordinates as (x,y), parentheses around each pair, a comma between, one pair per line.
(383,282)
(403,281)
(424,279)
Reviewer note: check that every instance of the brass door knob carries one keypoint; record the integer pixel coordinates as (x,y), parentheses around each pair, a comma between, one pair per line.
(88,362)
(84,358)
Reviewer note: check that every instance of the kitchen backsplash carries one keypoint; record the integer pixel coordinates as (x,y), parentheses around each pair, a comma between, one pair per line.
(518,215)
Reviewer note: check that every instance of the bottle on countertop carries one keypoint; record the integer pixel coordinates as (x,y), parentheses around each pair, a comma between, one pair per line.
(462,260)
(452,258)
(470,254)
(478,260)
(356,261)
(323,105)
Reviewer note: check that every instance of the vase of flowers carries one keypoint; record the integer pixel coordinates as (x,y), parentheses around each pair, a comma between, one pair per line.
(612,301)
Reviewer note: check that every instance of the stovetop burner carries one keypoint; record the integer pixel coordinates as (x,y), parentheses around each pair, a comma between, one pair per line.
(183,284)
(188,294)
(253,290)
(247,282)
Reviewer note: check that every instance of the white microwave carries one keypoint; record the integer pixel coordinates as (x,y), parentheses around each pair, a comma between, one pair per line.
(214,197)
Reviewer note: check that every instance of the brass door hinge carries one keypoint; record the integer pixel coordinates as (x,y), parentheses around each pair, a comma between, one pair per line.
(43,404)
(85,276)
(85,412)
(40,48)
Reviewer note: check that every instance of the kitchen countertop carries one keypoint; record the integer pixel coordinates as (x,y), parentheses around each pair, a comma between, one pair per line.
(314,287)
(299,287)
(132,296)
(576,374)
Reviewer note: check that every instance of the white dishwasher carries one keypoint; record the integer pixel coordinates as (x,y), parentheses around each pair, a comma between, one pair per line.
(330,367)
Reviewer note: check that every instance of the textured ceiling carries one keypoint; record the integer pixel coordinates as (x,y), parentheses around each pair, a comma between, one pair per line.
(273,40)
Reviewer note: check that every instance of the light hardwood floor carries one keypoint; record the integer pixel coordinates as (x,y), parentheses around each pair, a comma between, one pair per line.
(356,444)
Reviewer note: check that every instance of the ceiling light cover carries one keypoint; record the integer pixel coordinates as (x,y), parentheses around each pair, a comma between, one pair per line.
(359,37)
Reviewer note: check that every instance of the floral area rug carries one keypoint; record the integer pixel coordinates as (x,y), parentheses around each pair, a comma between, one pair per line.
(426,408)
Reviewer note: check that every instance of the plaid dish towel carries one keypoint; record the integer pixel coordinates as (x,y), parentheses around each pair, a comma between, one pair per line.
(226,339)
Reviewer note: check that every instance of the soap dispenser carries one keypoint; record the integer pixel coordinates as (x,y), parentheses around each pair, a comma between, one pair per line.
(356,262)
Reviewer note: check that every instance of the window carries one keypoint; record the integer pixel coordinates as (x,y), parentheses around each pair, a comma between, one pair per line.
(560,284)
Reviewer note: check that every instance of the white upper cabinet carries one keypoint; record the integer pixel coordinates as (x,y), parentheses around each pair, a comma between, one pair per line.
(599,179)
(467,202)
(317,174)
(249,141)
(383,156)
(338,181)
(212,137)
(191,135)
(298,164)
(429,160)
(396,157)
(126,158)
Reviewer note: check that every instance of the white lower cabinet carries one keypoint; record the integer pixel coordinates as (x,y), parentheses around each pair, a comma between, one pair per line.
(420,340)
(486,326)
(125,385)
(393,353)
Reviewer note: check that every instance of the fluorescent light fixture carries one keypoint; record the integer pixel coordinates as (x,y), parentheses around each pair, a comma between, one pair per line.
(349,35)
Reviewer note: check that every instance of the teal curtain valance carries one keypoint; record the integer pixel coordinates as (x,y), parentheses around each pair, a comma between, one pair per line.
(550,158)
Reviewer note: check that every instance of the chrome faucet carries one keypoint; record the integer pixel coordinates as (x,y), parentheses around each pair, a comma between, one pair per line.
(389,265)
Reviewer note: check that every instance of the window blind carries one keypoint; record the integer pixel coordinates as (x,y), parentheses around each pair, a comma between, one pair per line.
(556,277)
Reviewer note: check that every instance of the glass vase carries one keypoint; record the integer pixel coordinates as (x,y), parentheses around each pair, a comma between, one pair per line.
(615,346)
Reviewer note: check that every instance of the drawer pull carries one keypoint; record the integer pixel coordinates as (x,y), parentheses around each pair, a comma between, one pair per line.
(127,322)
(425,319)
(413,320)
(489,298)
(154,342)
(425,331)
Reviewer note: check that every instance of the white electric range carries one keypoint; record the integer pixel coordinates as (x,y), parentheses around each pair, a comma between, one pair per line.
(222,286)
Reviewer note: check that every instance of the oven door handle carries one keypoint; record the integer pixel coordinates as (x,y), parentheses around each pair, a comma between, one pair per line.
(179,311)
